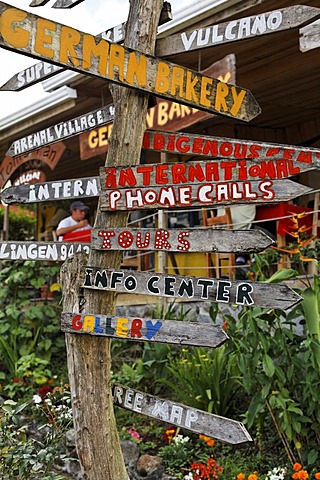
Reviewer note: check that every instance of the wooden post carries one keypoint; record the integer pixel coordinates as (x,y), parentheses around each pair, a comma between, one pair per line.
(97,439)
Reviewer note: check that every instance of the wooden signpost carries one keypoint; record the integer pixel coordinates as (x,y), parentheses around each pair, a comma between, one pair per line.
(57,4)
(240,29)
(201,194)
(52,191)
(243,293)
(180,240)
(30,76)
(34,36)
(214,426)
(144,329)
(61,131)
(48,251)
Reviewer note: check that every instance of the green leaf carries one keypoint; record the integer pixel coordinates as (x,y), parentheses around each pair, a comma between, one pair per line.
(268,365)
(312,457)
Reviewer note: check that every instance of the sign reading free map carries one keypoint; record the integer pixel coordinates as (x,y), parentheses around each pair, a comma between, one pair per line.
(41,38)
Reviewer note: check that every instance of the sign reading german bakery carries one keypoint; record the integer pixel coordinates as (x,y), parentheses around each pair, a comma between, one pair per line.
(242,28)
(215,426)
(180,240)
(144,329)
(237,292)
(41,38)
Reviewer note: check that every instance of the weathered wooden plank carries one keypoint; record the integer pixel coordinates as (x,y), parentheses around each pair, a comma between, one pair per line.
(38,3)
(230,148)
(144,329)
(234,30)
(48,251)
(244,293)
(52,191)
(61,131)
(309,37)
(214,426)
(30,76)
(180,240)
(33,34)
(202,194)
(66,3)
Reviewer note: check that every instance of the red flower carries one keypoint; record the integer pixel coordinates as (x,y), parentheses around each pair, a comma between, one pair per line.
(43,391)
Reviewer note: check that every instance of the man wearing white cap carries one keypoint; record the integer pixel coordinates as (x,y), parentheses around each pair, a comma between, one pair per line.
(75,222)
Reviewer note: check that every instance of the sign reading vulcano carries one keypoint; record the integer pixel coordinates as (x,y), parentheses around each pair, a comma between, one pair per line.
(41,38)
(180,240)
(242,28)
(144,329)
(236,292)
(214,426)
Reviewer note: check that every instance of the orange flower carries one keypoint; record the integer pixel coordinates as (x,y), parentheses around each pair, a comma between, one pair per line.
(295,476)
(317,476)
(296,466)
(303,475)
(253,477)
(240,476)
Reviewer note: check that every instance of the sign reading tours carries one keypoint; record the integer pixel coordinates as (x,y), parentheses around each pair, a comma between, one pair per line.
(240,29)
(62,130)
(41,38)
(237,292)
(49,251)
(180,240)
(214,426)
(59,190)
(204,193)
(144,329)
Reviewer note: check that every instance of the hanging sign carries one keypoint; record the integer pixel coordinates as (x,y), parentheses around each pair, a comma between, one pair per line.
(61,131)
(180,240)
(144,329)
(38,37)
(244,293)
(234,30)
(49,191)
(48,251)
(214,426)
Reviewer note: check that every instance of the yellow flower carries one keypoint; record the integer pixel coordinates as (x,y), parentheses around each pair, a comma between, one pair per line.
(253,477)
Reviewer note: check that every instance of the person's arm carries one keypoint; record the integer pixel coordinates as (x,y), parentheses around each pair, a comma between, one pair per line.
(63,230)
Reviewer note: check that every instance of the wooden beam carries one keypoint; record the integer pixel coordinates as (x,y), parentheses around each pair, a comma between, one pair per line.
(122,65)
(309,37)
(144,329)
(214,426)
(238,292)
(180,240)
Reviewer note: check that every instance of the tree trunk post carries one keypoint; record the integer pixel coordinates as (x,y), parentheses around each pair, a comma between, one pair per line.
(89,358)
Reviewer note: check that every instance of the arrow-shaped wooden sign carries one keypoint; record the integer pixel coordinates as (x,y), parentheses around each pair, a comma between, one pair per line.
(52,191)
(144,329)
(180,240)
(214,426)
(203,194)
(38,37)
(66,3)
(61,131)
(234,30)
(48,251)
(242,293)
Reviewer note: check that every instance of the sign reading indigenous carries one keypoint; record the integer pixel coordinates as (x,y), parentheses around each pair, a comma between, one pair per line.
(214,426)
(144,329)
(38,37)
(180,240)
(192,288)
(49,251)
(61,130)
(242,28)
(45,192)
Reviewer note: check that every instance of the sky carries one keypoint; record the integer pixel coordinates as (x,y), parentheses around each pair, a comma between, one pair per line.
(90,16)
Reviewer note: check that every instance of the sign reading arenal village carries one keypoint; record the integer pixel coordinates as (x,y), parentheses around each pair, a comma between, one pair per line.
(234,292)
(144,329)
(38,37)
(235,30)
(214,426)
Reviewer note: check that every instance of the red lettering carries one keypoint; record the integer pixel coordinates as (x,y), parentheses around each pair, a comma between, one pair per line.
(254,171)
(226,149)
(161,174)
(145,170)
(243,174)
(271,152)
(254,151)
(267,169)
(282,171)
(136,327)
(106,235)
(127,177)
(160,241)
(292,169)
(146,140)
(178,173)
(76,322)
(125,239)
(195,172)
(197,145)
(111,179)
(158,141)
(287,153)
(227,167)
(145,243)
(179,145)
(170,146)
(210,147)
(305,157)
(212,172)
(185,245)
(240,151)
